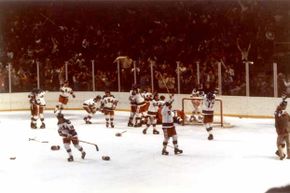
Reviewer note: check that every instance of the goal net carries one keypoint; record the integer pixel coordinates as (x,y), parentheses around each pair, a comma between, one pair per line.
(197,119)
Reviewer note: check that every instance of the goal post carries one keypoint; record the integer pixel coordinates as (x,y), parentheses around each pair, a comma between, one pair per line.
(218,109)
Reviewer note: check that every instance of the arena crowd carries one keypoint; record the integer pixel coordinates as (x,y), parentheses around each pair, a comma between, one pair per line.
(72,34)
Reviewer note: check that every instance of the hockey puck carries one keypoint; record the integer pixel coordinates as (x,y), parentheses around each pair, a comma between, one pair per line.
(106,158)
(55,147)
(118,134)
(12,158)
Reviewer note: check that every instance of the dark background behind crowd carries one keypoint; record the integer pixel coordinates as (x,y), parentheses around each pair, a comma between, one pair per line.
(55,35)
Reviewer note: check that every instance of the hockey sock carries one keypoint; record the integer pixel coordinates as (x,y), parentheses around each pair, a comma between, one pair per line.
(209,130)
(175,144)
(165,144)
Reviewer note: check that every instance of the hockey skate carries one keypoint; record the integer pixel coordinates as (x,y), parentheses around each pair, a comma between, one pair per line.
(83,155)
(42,126)
(112,125)
(277,153)
(130,124)
(210,137)
(33,126)
(88,122)
(155,132)
(281,156)
(70,159)
(138,125)
(177,151)
(164,152)
(144,131)
(107,125)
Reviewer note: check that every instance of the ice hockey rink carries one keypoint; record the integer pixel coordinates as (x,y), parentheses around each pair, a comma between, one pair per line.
(239,159)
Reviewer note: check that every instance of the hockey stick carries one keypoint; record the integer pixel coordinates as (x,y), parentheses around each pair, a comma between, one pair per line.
(120,134)
(284,97)
(32,139)
(97,148)
(162,79)
(48,19)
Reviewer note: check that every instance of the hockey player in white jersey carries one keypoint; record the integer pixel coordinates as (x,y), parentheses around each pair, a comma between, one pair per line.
(40,101)
(196,113)
(169,129)
(208,112)
(154,105)
(65,92)
(69,135)
(133,106)
(108,104)
(37,106)
(91,106)
(141,108)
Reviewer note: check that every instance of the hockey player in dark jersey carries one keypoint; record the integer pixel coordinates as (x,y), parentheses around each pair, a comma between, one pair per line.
(282,119)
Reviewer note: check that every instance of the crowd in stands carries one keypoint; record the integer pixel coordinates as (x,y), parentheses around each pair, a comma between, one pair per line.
(69,35)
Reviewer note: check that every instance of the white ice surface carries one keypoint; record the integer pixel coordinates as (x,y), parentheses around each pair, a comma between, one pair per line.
(239,160)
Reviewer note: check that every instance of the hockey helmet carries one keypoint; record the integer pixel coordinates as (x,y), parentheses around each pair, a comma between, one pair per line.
(167,103)
(59,116)
(210,96)
(162,97)
(97,98)
(156,96)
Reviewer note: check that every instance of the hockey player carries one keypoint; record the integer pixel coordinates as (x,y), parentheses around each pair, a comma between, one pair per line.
(162,102)
(37,106)
(282,119)
(40,101)
(196,113)
(65,92)
(69,135)
(141,108)
(169,129)
(33,108)
(133,105)
(90,106)
(147,95)
(152,113)
(109,103)
(208,112)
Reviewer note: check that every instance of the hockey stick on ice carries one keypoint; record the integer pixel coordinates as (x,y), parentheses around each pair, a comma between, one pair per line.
(120,134)
(97,148)
(32,139)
